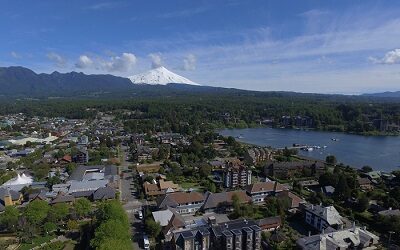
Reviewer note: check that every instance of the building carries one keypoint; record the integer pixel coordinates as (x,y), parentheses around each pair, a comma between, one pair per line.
(92,182)
(321,218)
(259,191)
(183,202)
(232,235)
(236,175)
(255,155)
(159,188)
(221,202)
(269,224)
(352,238)
(365,184)
(82,156)
(9,197)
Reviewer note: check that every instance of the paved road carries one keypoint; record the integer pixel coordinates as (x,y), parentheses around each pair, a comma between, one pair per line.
(131,203)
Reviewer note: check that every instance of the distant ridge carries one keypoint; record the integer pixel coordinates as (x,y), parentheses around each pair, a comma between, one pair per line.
(387,94)
(17,80)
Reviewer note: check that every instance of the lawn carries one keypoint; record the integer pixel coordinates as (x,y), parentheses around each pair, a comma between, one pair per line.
(36,242)
(194,185)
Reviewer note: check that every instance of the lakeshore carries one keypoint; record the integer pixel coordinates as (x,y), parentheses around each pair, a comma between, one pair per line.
(379,152)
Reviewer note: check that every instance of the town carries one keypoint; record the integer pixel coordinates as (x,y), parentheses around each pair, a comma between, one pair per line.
(79,183)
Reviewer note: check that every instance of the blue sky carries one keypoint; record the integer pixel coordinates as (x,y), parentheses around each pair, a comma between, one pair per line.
(306,46)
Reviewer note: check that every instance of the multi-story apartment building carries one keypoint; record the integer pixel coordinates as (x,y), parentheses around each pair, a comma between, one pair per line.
(236,175)
(233,235)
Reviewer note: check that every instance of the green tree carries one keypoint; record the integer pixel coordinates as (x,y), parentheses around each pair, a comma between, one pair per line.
(82,207)
(36,211)
(363,203)
(10,218)
(111,230)
(59,211)
(331,159)
(342,190)
(153,228)
(49,227)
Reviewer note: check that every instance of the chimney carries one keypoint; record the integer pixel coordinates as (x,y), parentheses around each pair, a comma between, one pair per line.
(323,231)
(245,221)
(309,233)
(354,226)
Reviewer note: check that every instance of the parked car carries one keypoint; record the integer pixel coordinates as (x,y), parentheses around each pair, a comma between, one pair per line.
(146,243)
(140,215)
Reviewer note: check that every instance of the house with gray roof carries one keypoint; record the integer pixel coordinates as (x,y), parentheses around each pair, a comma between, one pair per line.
(321,217)
(352,238)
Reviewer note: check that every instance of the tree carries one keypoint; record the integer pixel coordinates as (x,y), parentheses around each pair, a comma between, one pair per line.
(363,203)
(36,211)
(205,170)
(153,228)
(49,227)
(111,230)
(82,207)
(342,190)
(331,159)
(10,218)
(72,225)
(58,212)
(366,169)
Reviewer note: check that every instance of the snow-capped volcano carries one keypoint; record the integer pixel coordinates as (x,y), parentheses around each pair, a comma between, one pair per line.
(161,76)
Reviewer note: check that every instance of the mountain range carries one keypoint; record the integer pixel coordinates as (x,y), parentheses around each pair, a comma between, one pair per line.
(20,82)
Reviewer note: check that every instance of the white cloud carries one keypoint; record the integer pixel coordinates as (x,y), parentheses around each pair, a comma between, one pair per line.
(84,62)
(57,59)
(122,63)
(391,57)
(189,62)
(15,55)
(156,60)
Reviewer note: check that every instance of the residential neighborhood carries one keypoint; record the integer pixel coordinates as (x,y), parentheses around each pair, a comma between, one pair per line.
(184,191)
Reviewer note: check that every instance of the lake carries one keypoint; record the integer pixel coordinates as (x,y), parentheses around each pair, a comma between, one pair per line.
(379,152)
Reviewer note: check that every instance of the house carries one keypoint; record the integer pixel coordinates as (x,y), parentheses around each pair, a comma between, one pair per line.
(270,223)
(63,198)
(236,175)
(328,190)
(103,193)
(259,191)
(159,188)
(365,184)
(294,200)
(352,238)
(257,154)
(223,201)
(320,217)
(237,234)
(10,197)
(389,212)
(183,202)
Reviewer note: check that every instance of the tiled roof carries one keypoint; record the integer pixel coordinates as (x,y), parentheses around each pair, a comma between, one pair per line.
(214,199)
(270,186)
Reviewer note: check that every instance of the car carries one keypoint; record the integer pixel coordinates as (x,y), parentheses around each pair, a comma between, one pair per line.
(146,243)
(140,215)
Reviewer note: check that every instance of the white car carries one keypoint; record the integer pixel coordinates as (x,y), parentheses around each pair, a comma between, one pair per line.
(140,215)
(146,243)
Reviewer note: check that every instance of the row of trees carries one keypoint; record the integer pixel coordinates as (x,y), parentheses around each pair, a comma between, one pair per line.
(39,218)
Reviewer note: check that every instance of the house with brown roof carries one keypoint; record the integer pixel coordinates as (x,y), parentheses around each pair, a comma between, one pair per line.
(223,201)
(259,191)
(294,200)
(183,202)
(365,184)
(269,223)
(160,188)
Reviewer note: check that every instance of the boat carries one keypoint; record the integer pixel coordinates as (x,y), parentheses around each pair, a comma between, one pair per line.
(334,139)
(239,137)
